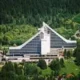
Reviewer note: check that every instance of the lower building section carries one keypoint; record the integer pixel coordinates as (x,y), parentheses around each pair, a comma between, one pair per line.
(31,58)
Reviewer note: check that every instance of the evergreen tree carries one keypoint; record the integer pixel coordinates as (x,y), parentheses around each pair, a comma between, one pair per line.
(30,69)
(7,67)
(5,50)
(18,69)
(62,62)
(68,54)
(77,53)
(42,64)
(55,65)
(65,53)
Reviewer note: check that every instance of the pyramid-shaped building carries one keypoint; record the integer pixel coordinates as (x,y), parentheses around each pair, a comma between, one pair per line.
(46,42)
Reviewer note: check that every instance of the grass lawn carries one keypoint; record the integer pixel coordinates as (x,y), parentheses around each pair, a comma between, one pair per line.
(70,67)
(46,71)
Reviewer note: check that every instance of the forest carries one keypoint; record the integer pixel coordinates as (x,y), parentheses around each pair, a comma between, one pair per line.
(15,15)
(35,11)
(20,20)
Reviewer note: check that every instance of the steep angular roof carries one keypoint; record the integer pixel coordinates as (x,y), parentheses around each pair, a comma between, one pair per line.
(44,25)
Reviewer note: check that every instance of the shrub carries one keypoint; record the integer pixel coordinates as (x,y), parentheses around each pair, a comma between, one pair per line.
(42,64)
(62,62)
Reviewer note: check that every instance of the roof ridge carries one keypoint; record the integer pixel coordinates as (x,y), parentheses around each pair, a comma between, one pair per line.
(66,40)
(44,25)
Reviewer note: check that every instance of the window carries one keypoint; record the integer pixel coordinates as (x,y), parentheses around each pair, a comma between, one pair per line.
(42,35)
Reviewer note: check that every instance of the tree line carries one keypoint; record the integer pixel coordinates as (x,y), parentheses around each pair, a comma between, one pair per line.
(33,71)
(14,15)
(15,34)
(35,11)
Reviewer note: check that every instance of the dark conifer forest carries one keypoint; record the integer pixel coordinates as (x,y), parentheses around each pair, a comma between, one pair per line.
(35,11)
(62,15)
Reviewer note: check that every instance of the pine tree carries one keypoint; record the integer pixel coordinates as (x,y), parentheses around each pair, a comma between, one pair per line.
(42,64)
(62,62)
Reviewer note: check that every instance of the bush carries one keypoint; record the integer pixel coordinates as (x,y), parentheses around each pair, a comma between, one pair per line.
(42,64)
(67,54)
(62,62)
(41,77)
(30,69)
(55,65)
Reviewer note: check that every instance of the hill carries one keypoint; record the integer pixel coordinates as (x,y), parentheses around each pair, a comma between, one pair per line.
(20,19)
(35,11)
(15,34)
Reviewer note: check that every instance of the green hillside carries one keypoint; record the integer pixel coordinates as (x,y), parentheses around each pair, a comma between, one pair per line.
(35,11)
(16,34)
(77,18)
(20,19)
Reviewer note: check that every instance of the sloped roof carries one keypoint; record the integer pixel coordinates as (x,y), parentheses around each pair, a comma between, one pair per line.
(44,25)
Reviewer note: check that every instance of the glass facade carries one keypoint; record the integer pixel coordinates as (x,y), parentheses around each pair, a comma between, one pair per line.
(34,46)
(57,42)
